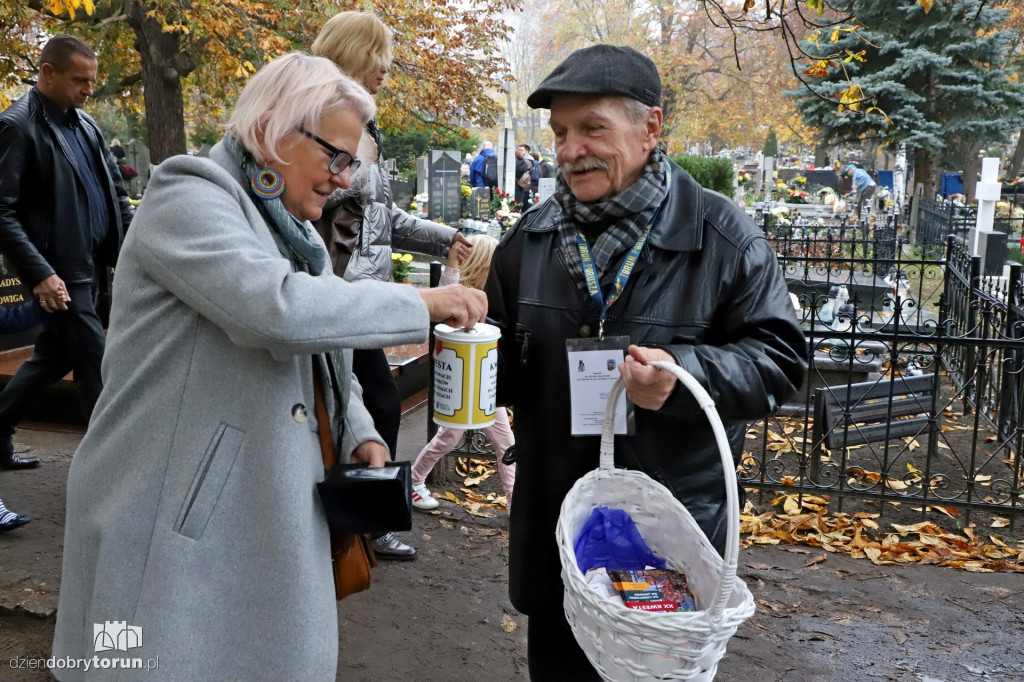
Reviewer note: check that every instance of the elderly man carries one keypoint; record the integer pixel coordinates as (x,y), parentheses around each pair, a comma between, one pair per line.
(863,186)
(675,273)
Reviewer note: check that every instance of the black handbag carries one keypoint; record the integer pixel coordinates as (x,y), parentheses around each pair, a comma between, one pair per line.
(361,499)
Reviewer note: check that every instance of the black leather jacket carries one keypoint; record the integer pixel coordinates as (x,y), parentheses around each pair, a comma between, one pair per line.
(708,289)
(40,196)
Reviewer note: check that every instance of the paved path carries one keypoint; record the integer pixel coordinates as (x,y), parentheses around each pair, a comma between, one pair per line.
(447,616)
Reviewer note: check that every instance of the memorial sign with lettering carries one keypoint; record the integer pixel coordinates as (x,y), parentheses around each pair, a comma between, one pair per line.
(12,294)
(445,196)
(480,203)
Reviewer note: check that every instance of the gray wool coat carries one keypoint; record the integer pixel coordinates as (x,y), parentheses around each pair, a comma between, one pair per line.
(192,505)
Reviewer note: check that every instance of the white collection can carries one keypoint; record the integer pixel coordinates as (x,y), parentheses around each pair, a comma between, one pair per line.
(465,376)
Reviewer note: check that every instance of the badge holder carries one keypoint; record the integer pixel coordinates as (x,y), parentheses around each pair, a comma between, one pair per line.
(593,369)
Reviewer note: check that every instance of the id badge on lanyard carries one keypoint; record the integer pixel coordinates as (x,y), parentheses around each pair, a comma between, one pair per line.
(594,363)
(593,369)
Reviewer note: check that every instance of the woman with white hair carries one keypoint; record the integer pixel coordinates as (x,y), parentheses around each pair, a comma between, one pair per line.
(193,527)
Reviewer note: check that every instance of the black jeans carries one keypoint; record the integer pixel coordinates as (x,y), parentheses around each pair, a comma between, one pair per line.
(552,651)
(863,196)
(380,394)
(72,340)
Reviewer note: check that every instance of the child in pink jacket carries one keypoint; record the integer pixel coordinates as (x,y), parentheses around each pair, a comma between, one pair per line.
(473,274)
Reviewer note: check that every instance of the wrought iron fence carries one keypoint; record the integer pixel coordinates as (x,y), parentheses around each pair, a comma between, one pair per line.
(937,220)
(914,394)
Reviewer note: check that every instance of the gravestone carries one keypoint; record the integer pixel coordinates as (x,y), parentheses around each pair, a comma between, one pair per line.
(822,178)
(137,156)
(401,194)
(545,188)
(12,294)
(422,174)
(480,203)
(787,174)
(444,189)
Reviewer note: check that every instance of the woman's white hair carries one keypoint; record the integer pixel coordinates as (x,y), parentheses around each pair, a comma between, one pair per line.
(289,93)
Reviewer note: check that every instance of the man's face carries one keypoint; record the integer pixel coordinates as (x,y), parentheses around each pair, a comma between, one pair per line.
(599,149)
(520,152)
(71,88)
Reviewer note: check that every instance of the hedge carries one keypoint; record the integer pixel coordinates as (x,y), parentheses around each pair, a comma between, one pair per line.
(712,173)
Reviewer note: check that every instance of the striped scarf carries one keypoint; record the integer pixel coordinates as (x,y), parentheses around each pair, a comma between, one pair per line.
(626,215)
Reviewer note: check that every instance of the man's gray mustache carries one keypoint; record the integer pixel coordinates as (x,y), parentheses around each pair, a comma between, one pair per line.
(583,166)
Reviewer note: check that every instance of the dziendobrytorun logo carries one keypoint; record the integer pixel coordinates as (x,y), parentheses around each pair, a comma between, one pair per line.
(116,634)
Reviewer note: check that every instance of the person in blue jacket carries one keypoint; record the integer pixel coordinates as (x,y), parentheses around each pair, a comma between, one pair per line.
(863,186)
(12,321)
(478,169)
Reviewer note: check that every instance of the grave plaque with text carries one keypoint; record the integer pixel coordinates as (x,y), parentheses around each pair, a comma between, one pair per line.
(445,196)
(480,203)
(12,294)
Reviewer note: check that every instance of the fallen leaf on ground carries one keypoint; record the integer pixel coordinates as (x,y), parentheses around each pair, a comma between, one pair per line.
(507,624)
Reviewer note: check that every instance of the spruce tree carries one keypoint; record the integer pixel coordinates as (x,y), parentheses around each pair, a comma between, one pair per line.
(942,78)
(771,145)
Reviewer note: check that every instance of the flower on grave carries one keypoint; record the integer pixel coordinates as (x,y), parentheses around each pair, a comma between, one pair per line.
(400,266)
(1005,210)
(506,218)
(127,172)
(742,177)
(465,192)
(800,180)
(414,206)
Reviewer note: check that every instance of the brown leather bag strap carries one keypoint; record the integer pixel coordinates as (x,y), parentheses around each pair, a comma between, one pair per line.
(323,420)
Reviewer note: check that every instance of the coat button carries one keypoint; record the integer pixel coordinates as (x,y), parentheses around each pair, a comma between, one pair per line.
(299,412)
(585,331)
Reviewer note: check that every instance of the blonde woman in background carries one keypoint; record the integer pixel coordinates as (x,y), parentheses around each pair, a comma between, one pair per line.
(361,229)
(473,275)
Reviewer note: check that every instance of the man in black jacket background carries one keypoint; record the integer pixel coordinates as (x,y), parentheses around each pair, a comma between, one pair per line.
(63,213)
(631,249)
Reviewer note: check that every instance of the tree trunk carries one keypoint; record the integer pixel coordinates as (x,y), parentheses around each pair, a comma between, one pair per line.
(164,64)
(821,156)
(972,166)
(1018,158)
(925,172)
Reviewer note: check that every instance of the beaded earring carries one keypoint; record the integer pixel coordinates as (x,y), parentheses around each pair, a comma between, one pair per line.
(267,184)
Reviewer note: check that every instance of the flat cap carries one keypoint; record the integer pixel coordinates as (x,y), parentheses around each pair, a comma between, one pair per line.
(601,70)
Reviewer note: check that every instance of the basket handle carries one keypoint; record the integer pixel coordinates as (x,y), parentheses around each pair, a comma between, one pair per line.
(732,544)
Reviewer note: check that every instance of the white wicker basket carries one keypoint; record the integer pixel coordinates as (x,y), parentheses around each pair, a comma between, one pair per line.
(625,644)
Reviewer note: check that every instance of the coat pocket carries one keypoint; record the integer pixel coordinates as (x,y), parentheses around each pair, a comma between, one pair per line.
(209,481)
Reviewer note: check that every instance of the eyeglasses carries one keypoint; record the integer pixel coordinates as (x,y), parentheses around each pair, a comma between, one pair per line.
(340,159)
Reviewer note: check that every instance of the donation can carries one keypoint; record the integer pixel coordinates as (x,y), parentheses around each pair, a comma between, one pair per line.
(465,376)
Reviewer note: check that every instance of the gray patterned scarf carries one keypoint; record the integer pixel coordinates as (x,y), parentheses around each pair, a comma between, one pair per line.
(625,216)
(304,249)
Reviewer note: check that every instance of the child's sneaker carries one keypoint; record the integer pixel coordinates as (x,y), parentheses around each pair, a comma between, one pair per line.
(421,497)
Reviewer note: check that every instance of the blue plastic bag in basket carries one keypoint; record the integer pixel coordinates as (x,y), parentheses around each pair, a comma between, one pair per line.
(609,538)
